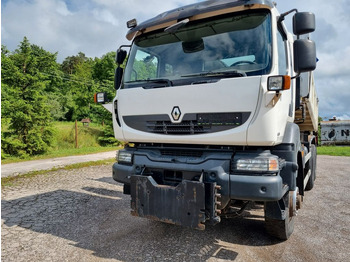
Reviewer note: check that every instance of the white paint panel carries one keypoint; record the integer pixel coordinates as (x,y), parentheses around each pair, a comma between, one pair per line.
(226,95)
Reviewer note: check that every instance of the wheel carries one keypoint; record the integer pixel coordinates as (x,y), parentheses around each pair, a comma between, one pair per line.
(281,229)
(312,165)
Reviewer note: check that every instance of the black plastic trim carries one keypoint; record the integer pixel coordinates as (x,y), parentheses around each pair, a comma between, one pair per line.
(191,124)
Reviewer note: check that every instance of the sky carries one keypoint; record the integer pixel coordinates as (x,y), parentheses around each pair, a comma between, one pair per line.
(96,27)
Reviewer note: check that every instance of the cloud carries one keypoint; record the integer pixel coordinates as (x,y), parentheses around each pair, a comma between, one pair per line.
(333,63)
(343,117)
(335,90)
(96,27)
(140,9)
(104,15)
(325,34)
(46,23)
(68,27)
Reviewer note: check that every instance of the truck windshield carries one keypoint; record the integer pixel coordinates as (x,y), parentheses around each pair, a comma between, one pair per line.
(237,45)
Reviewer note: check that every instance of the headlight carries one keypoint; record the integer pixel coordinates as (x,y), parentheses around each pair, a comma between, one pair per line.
(124,157)
(257,164)
(278,83)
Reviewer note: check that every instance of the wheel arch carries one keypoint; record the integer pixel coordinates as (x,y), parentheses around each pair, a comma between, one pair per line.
(289,150)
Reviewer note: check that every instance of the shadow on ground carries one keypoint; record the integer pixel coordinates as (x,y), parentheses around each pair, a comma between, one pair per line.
(99,220)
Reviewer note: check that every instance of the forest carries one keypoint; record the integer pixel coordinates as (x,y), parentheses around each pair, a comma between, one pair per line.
(37,91)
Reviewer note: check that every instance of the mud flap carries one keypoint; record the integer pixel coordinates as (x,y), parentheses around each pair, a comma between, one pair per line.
(181,205)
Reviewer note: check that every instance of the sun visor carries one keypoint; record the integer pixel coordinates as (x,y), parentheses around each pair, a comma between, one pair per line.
(196,11)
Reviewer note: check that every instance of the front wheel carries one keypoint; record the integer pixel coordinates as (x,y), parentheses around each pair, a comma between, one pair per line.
(312,165)
(281,228)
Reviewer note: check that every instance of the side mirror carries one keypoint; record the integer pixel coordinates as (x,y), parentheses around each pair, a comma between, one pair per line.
(304,55)
(303,23)
(120,57)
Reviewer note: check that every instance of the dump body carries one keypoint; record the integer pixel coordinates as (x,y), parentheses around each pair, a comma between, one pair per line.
(307,116)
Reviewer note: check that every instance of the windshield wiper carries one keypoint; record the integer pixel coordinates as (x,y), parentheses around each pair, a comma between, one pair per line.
(219,74)
(158,81)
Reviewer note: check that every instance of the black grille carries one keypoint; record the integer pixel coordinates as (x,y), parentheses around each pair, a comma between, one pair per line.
(181,153)
(191,124)
(185,127)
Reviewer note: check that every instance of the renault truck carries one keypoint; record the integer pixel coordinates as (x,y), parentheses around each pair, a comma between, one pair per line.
(217,107)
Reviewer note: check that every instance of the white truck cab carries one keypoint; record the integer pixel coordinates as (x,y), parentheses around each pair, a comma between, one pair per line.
(209,103)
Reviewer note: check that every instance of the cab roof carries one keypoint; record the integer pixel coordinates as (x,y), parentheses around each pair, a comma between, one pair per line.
(196,11)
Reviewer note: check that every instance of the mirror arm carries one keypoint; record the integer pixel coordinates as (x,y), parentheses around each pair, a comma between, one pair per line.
(281,19)
(123,46)
(296,76)
(282,16)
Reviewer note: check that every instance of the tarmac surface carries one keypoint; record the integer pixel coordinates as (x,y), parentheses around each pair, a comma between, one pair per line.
(14,169)
(82,215)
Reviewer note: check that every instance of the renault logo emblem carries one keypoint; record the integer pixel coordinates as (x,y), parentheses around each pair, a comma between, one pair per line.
(176,113)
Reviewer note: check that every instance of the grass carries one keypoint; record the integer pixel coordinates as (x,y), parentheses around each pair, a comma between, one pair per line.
(334,150)
(87,135)
(15,180)
(65,142)
(62,153)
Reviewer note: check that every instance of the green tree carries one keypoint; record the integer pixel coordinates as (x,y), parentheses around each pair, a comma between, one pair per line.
(69,65)
(104,67)
(103,73)
(24,101)
(79,87)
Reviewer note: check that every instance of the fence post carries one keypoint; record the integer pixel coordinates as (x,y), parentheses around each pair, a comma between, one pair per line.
(76,133)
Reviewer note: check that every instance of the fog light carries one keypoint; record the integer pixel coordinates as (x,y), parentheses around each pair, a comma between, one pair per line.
(124,157)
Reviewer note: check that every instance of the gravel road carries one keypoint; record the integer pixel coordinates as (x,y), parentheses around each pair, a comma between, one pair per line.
(14,169)
(82,215)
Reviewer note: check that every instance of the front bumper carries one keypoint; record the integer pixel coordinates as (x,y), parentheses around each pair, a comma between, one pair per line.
(254,187)
(189,191)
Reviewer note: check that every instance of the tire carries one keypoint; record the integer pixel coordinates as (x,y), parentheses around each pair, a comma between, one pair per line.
(281,229)
(313,159)
(314,162)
